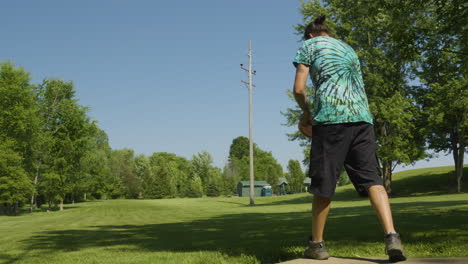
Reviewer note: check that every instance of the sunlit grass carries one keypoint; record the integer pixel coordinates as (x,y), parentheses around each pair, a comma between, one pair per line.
(227,230)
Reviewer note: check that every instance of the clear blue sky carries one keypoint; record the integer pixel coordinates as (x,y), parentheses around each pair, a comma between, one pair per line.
(164,75)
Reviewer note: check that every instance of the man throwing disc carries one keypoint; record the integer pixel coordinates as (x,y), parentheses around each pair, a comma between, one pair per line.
(342,133)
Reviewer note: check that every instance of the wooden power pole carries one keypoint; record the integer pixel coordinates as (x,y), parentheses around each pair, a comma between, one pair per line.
(250,85)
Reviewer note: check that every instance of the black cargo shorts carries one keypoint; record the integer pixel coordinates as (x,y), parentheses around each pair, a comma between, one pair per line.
(351,145)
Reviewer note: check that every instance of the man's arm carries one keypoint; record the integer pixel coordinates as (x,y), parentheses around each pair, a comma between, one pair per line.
(302,73)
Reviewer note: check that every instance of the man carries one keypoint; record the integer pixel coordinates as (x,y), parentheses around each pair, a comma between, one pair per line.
(342,133)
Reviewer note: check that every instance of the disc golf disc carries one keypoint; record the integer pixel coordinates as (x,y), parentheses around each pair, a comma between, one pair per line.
(306,128)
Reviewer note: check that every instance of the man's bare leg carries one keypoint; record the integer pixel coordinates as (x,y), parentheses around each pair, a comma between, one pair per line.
(320,209)
(379,200)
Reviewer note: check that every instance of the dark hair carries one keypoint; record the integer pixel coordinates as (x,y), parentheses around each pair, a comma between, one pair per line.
(316,27)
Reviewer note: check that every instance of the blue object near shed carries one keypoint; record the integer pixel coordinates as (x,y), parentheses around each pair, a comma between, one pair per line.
(261,188)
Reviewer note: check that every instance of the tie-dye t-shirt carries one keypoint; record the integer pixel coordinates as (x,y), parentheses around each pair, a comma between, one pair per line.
(339,95)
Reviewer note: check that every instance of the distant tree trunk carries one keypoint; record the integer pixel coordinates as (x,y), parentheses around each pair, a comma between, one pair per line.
(61,205)
(387,175)
(33,202)
(84,196)
(16,208)
(458,151)
(459,166)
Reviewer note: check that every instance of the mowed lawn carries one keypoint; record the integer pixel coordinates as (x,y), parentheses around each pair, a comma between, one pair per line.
(227,230)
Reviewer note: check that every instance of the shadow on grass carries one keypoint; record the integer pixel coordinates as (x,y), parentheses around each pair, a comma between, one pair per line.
(8,258)
(25,210)
(270,237)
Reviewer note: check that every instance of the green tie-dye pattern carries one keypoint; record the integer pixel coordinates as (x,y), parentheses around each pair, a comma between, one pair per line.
(335,70)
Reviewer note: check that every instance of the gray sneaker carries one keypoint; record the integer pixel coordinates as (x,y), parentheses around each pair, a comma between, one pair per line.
(316,251)
(393,248)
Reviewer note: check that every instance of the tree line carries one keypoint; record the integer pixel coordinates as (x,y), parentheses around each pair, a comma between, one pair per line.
(414,61)
(52,152)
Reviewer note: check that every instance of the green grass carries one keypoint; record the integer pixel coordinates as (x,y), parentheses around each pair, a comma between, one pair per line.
(227,230)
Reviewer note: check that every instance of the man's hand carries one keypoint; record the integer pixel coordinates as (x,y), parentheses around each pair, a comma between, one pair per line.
(305,125)
(306,119)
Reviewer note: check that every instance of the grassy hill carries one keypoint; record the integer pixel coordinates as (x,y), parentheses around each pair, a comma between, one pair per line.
(429,181)
(227,230)
(417,182)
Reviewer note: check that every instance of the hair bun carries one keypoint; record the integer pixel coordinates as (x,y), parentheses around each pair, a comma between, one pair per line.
(320,19)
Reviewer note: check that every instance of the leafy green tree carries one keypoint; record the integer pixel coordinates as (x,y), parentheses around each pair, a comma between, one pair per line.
(441,35)
(214,186)
(15,185)
(239,148)
(168,169)
(165,186)
(446,107)
(69,131)
(195,189)
(145,175)
(97,175)
(180,176)
(230,177)
(266,167)
(295,176)
(201,167)
(211,177)
(18,125)
(122,164)
(50,188)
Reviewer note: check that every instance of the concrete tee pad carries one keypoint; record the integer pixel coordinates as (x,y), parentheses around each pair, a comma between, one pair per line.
(351,260)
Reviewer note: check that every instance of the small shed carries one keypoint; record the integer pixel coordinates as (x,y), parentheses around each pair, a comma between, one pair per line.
(307,182)
(261,188)
(282,186)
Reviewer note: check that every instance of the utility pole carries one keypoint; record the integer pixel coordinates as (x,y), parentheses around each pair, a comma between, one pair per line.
(250,85)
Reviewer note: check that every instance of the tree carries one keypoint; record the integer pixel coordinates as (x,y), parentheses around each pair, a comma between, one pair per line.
(201,167)
(127,183)
(214,185)
(168,171)
(441,36)
(145,175)
(97,176)
(15,186)
(266,167)
(18,128)
(239,148)
(195,189)
(295,176)
(446,107)
(230,177)
(69,131)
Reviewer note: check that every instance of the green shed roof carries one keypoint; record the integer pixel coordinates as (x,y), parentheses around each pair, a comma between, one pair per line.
(283,181)
(256,183)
